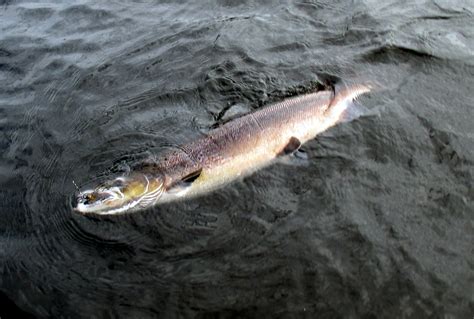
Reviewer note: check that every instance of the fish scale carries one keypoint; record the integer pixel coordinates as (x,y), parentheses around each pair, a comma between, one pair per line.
(250,142)
(233,150)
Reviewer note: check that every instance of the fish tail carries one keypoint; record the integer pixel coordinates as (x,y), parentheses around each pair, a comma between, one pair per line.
(344,106)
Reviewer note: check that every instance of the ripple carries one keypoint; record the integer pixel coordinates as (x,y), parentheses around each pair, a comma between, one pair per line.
(381,209)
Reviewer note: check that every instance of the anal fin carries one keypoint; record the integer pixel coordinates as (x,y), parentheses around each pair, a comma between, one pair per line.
(296,156)
(292,146)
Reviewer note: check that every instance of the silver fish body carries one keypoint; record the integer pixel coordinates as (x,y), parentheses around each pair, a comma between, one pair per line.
(244,145)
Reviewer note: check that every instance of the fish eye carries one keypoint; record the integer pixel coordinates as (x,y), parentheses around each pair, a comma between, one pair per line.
(118,182)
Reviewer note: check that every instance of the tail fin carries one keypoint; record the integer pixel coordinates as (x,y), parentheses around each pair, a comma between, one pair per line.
(344,107)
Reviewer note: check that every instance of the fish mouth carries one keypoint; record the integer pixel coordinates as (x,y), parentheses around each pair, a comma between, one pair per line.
(99,201)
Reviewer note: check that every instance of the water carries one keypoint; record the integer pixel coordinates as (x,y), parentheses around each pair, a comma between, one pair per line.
(379,224)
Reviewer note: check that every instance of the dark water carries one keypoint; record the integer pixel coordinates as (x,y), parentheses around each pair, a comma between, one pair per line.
(379,224)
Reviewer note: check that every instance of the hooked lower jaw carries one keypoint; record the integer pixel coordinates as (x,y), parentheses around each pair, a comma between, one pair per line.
(84,209)
(110,211)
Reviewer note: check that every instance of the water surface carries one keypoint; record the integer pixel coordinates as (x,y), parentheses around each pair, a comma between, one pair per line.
(378,224)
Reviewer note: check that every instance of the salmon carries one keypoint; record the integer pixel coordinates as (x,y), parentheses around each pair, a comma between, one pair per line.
(233,150)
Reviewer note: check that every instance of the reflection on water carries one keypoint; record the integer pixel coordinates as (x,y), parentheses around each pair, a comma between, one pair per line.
(378,224)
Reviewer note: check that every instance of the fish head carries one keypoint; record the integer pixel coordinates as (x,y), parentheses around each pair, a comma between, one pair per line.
(120,195)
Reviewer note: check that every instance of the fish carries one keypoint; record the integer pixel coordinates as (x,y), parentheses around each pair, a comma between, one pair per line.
(233,150)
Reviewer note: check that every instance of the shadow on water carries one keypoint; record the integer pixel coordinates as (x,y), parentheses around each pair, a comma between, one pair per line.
(378,224)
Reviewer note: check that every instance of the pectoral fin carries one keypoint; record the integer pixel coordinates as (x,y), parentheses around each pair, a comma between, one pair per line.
(192,177)
(181,187)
